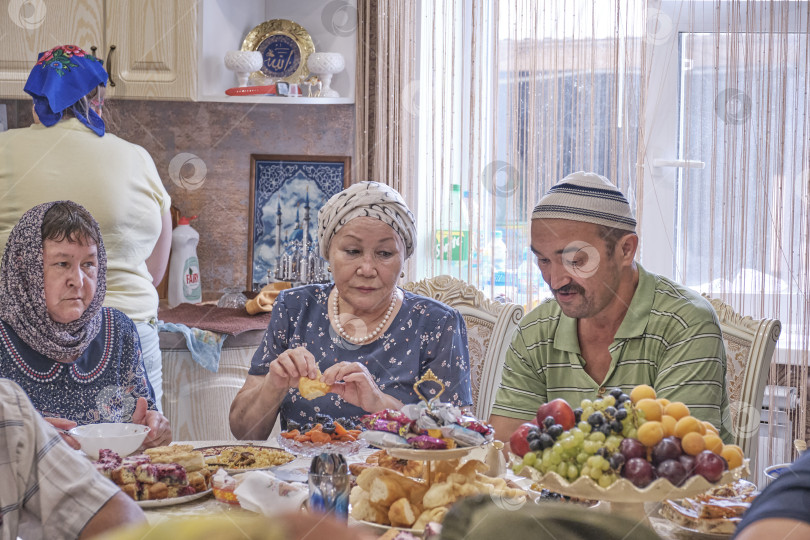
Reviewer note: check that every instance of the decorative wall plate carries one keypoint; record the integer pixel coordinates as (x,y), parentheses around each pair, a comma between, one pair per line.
(285,47)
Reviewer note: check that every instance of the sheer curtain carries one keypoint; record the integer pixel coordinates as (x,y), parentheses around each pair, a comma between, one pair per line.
(741,223)
(514,95)
(386,119)
(502,98)
(388,33)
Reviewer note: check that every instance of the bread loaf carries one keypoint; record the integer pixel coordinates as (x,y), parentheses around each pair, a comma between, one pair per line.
(363,510)
(385,490)
(401,513)
(368,476)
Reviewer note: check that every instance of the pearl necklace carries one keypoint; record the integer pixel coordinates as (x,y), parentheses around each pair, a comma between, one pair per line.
(365,338)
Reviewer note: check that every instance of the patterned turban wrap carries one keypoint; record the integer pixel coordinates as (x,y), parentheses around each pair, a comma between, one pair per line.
(61,77)
(22,292)
(586,197)
(366,199)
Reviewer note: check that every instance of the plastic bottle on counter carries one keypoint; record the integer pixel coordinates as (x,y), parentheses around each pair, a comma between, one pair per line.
(184,268)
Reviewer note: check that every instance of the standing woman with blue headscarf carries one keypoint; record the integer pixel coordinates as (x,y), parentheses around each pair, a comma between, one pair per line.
(366,339)
(68,155)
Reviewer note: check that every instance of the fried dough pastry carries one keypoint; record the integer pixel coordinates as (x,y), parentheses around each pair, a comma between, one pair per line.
(381,458)
(313,388)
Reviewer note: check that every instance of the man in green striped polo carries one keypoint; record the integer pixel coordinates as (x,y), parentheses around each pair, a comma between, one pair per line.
(611,323)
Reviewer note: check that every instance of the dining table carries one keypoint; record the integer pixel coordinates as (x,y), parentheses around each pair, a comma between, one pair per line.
(208,505)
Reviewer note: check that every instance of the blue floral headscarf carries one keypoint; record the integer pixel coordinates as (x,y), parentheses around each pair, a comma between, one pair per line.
(61,77)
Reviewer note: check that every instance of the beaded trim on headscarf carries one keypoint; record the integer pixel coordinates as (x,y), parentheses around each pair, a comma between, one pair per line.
(366,199)
(61,77)
(22,293)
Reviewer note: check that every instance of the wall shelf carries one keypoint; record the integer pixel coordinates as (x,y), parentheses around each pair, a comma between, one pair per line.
(278,100)
(223,27)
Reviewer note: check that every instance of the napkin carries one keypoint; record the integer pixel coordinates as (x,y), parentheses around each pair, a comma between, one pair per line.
(262,492)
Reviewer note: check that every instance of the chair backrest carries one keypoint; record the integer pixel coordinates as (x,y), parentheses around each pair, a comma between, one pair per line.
(490,326)
(749,348)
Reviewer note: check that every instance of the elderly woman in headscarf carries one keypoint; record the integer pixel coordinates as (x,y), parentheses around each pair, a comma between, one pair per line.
(366,339)
(79,362)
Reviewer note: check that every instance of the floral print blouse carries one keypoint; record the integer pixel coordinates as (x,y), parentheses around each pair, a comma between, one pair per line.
(425,334)
(101,385)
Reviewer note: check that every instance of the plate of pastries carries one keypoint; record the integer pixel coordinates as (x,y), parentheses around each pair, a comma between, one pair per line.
(714,513)
(161,476)
(385,497)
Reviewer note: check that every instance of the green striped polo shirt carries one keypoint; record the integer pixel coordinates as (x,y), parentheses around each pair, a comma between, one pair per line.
(670,338)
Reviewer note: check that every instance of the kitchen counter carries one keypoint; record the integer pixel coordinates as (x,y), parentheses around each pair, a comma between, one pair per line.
(195,400)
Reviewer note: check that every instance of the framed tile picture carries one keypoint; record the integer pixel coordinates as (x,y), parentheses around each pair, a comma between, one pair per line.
(286,193)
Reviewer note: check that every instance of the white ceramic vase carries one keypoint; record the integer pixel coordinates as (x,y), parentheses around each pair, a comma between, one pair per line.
(243,63)
(324,65)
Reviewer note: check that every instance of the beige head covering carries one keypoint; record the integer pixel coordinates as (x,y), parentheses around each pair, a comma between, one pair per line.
(587,197)
(366,199)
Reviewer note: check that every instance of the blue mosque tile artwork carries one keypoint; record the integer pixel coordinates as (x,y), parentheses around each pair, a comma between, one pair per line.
(287,197)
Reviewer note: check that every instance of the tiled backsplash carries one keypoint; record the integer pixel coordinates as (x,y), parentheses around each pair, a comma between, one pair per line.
(222,136)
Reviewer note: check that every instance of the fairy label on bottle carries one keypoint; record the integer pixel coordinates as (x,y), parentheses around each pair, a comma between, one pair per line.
(192,292)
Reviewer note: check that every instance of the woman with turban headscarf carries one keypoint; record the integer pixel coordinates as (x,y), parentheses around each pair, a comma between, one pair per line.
(68,154)
(371,340)
(78,362)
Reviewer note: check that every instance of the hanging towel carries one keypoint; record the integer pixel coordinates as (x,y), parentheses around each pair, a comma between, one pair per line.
(205,346)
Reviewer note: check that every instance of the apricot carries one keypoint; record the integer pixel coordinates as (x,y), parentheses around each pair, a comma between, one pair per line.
(653,411)
(642,391)
(713,443)
(650,433)
(676,410)
(693,443)
(688,424)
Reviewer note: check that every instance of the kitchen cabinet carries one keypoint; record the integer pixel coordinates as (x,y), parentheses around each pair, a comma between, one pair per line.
(149,46)
(169,49)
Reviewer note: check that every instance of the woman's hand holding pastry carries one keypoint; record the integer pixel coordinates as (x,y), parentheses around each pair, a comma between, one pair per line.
(160,431)
(353,382)
(62,425)
(289,367)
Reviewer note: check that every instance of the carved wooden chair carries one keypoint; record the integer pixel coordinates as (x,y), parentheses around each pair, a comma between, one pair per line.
(749,348)
(490,326)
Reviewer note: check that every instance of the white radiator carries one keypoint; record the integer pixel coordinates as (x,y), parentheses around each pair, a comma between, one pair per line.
(775,440)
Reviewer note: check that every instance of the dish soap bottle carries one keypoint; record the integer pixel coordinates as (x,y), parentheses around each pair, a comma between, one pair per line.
(184,268)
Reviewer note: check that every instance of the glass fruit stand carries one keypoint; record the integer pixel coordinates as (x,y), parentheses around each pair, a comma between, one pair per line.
(624,497)
(627,450)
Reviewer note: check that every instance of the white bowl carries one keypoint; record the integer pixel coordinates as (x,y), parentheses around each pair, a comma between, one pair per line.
(122,439)
(774,471)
